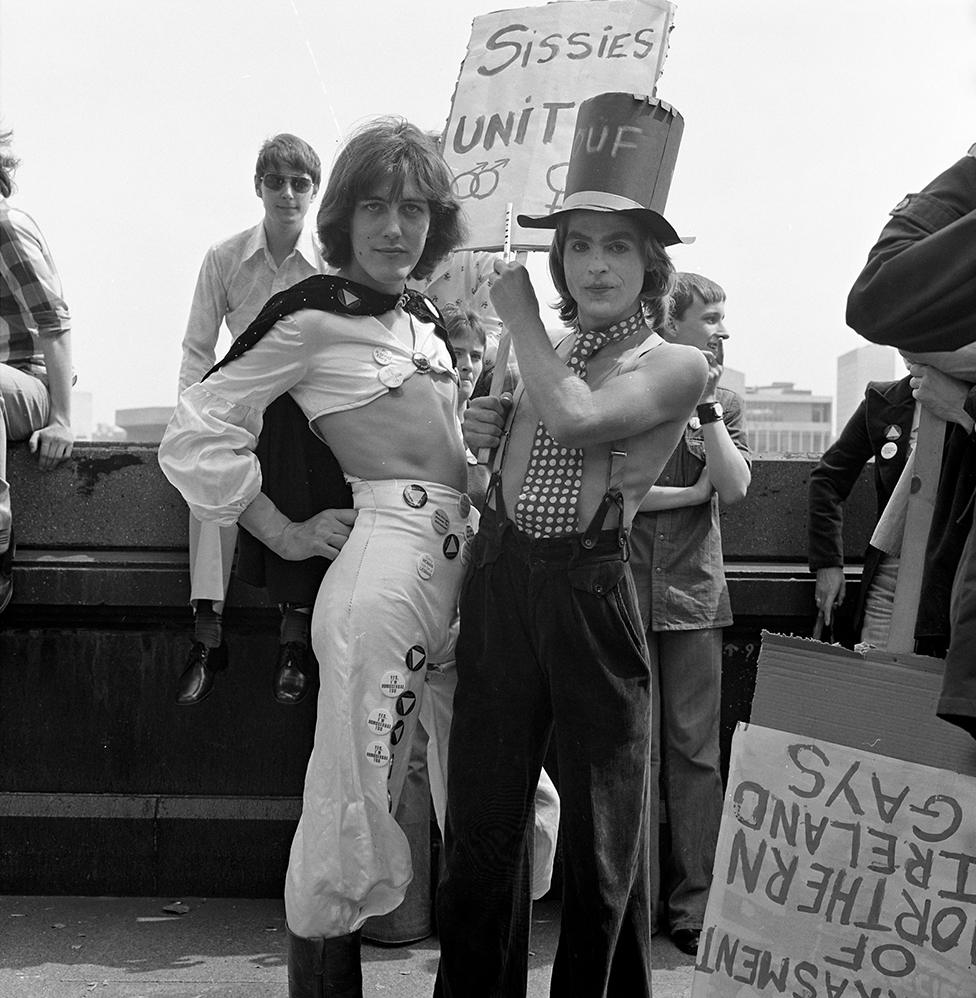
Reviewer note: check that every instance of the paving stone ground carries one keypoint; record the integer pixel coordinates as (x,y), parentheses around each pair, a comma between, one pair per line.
(77,947)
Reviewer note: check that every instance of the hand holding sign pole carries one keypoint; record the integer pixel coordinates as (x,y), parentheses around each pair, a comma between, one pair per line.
(509,142)
(505,343)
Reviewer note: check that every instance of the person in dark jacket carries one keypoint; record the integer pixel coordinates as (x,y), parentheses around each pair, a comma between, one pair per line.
(880,428)
(917,292)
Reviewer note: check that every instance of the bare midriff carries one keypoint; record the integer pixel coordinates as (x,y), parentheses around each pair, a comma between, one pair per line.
(409,432)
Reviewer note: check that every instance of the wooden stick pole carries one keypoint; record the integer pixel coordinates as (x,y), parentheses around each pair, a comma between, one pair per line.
(505,342)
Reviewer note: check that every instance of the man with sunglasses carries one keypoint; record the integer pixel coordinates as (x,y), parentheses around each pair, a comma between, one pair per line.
(238,276)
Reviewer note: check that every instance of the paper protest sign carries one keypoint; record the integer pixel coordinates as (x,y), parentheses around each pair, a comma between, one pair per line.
(839,874)
(525,72)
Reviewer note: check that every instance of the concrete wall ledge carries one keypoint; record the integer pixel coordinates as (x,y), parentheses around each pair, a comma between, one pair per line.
(108,787)
(107,530)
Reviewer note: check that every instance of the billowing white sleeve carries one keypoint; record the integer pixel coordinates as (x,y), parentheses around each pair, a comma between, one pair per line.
(207,451)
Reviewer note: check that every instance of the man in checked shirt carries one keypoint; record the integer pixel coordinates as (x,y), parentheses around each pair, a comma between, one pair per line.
(35,353)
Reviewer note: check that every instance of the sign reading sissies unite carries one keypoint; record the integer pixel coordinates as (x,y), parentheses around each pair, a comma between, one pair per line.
(514,107)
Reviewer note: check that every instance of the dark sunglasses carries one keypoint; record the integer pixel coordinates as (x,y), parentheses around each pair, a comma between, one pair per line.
(275,181)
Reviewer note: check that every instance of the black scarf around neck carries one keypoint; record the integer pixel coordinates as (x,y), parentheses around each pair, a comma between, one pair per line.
(332,294)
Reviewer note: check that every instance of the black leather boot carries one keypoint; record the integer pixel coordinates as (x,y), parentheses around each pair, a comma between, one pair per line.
(197,680)
(324,968)
(291,676)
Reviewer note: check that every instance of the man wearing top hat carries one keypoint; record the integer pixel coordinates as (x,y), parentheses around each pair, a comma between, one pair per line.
(551,641)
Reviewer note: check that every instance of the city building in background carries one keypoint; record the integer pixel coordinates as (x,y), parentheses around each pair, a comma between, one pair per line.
(145,425)
(734,380)
(784,420)
(856,368)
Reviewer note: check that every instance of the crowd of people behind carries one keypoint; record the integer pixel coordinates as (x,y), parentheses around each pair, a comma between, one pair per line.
(461,619)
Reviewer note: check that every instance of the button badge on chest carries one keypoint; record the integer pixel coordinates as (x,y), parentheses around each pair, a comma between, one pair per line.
(390,377)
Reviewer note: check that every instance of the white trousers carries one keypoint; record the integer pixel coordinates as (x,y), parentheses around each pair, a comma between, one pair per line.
(211,560)
(383,629)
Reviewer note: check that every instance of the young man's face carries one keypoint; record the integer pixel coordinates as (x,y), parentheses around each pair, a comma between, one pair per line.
(285,206)
(387,236)
(604,264)
(470,356)
(702,326)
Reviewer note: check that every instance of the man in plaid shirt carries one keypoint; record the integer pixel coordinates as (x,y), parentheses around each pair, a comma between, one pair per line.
(35,353)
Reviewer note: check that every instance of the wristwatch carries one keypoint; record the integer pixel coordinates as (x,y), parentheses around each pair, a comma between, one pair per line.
(709,412)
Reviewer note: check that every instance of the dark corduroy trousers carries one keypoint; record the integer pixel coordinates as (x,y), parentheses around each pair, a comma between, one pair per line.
(551,645)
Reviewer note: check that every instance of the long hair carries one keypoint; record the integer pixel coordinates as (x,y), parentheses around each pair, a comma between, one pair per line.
(384,151)
(655,292)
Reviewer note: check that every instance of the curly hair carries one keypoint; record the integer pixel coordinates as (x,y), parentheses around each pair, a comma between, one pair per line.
(383,151)
(8,163)
(655,295)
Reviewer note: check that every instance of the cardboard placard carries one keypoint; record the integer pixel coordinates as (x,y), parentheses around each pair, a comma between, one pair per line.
(514,107)
(881,702)
(839,874)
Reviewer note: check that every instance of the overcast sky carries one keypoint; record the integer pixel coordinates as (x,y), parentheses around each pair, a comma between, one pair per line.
(138,124)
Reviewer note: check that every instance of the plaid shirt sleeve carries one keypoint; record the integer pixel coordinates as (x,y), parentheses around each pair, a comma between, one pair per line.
(30,286)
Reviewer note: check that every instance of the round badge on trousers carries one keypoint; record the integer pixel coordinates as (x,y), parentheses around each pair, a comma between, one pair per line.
(382,356)
(425,567)
(889,450)
(415,496)
(378,754)
(416,658)
(392,684)
(380,721)
(464,504)
(451,546)
(406,703)
(390,377)
(441,521)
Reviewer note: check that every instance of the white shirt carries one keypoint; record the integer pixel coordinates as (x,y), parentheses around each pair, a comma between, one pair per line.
(464,279)
(237,277)
(328,362)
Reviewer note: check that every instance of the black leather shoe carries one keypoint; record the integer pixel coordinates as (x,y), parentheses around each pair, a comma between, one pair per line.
(686,940)
(198,677)
(291,679)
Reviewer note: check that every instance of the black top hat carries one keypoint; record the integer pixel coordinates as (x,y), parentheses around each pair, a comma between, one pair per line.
(623,155)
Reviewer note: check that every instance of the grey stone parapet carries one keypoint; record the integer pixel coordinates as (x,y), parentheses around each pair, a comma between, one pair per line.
(108,787)
(107,530)
(103,530)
